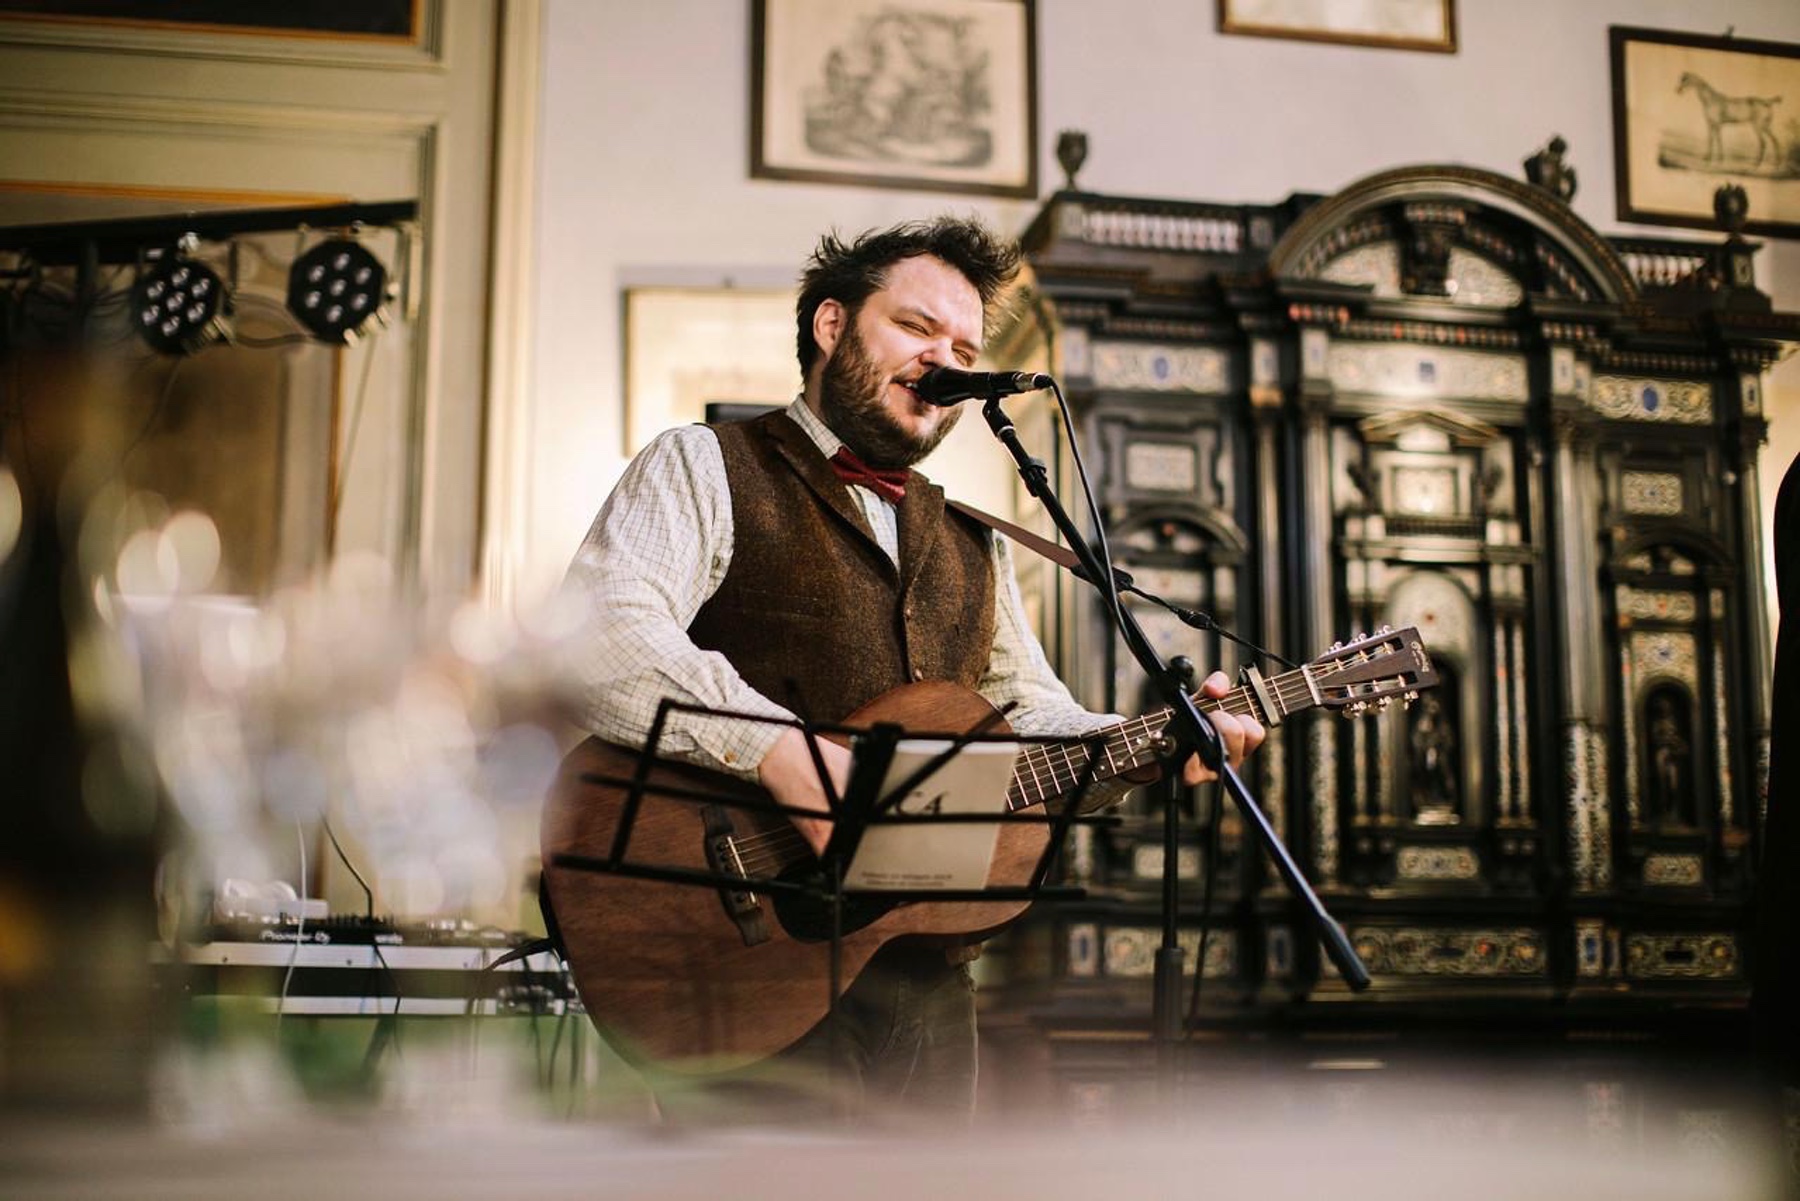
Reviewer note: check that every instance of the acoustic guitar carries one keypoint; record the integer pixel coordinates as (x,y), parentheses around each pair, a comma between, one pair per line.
(699,976)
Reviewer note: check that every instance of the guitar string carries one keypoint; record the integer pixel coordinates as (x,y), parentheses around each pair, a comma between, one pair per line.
(770,849)
(1238,700)
(1284,687)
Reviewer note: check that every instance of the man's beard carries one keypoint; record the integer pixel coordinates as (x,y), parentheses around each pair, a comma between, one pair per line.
(850,400)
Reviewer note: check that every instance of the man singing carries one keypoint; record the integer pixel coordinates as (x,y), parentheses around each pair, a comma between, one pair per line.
(795,564)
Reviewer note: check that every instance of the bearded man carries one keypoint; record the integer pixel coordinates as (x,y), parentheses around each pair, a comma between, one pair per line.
(796,564)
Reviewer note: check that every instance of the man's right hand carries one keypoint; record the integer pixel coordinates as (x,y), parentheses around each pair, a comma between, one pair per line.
(791,777)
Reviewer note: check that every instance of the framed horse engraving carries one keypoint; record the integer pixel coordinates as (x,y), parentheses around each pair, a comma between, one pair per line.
(1693,113)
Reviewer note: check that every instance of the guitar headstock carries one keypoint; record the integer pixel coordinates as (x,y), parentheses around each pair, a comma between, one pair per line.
(1371,670)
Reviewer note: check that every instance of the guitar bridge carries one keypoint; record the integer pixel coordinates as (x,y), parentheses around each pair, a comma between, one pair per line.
(742,906)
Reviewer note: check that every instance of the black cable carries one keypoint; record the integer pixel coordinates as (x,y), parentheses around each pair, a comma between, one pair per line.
(156,412)
(287,979)
(537,1042)
(555,1046)
(574,1067)
(1109,578)
(1205,621)
(376,1042)
(268,343)
(368,893)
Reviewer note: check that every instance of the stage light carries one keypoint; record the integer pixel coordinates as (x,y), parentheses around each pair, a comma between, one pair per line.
(335,287)
(176,304)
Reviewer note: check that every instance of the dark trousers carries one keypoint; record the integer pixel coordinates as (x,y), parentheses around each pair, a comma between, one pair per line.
(902,1044)
(904,1035)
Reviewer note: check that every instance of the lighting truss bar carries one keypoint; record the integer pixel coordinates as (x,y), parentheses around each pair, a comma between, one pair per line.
(122,240)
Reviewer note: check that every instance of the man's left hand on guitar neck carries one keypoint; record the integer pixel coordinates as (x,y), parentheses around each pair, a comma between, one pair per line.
(792,778)
(1239,734)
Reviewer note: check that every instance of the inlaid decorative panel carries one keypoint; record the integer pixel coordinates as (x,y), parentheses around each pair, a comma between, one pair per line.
(1652,605)
(1428,491)
(1469,278)
(1375,266)
(1130,951)
(1437,863)
(1664,653)
(1424,951)
(1147,861)
(1161,466)
(1651,493)
(1681,871)
(1403,370)
(1750,392)
(1476,280)
(1591,945)
(1631,398)
(1150,367)
(1083,950)
(1682,957)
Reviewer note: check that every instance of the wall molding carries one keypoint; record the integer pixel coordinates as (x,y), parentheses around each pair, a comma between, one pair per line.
(510,426)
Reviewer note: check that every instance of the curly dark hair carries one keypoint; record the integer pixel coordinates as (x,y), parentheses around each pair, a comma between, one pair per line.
(850,273)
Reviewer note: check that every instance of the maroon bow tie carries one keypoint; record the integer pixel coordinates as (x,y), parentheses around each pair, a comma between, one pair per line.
(887,483)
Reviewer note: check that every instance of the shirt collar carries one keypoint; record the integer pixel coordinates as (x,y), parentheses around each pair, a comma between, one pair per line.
(802,415)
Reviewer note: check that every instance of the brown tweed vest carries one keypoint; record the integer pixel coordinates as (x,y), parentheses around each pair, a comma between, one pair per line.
(812,613)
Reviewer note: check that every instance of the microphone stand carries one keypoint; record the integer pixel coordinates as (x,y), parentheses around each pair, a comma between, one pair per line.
(1186,729)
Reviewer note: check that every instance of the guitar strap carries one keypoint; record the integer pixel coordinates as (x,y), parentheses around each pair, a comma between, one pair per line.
(1056,554)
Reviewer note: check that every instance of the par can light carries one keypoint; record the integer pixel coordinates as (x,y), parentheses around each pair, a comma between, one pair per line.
(176,304)
(335,287)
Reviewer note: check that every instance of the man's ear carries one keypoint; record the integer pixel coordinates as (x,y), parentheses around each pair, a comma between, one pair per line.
(829,321)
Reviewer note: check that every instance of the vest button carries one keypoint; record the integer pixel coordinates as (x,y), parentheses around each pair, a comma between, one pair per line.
(908,611)
(918,673)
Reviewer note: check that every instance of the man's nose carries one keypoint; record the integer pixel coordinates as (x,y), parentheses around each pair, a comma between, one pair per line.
(938,353)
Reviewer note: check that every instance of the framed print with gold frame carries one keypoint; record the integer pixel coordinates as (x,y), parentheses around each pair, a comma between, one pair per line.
(1392,24)
(686,348)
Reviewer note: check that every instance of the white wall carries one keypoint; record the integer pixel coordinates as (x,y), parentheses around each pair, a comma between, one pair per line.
(645,161)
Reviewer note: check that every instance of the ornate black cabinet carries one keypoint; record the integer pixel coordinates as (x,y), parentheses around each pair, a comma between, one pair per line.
(1436,399)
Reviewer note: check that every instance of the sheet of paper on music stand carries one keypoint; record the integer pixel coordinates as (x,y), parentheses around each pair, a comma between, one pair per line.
(937,855)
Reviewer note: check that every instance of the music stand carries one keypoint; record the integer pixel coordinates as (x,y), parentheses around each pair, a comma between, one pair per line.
(764,894)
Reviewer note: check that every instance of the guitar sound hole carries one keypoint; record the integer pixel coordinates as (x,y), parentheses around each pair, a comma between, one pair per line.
(808,919)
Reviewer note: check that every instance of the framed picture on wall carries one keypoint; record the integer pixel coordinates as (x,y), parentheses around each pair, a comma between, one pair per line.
(379,19)
(939,95)
(1693,113)
(690,348)
(1394,24)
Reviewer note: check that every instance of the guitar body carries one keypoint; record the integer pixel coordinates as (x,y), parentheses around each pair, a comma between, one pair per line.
(666,971)
(698,977)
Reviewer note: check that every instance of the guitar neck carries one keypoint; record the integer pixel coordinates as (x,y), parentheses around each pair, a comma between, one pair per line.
(1049,770)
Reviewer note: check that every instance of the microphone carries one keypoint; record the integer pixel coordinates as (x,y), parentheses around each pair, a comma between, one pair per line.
(948,386)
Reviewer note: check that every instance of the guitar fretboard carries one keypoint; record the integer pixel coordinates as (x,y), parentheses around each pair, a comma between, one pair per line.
(1049,770)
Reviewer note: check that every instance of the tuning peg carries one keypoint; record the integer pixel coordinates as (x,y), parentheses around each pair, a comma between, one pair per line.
(1337,646)
(1384,631)
(1359,636)
(1382,704)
